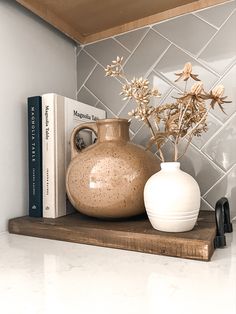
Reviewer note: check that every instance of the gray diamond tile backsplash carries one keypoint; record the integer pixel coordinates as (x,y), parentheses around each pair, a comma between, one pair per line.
(222,147)
(217,14)
(85,64)
(212,158)
(146,54)
(213,127)
(130,40)
(220,52)
(189,25)
(162,86)
(86,96)
(106,89)
(106,50)
(226,187)
(173,61)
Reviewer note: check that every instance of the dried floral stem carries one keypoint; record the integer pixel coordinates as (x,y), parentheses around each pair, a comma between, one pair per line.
(195,127)
(184,118)
(176,151)
(153,134)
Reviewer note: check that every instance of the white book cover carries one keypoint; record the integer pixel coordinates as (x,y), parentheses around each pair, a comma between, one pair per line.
(59,117)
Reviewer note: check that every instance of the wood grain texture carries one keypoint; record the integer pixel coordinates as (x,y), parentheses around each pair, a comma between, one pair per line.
(134,234)
(89,21)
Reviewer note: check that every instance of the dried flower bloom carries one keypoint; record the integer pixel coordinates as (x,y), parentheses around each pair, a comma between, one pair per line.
(197,88)
(114,69)
(185,118)
(186,73)
(216,96)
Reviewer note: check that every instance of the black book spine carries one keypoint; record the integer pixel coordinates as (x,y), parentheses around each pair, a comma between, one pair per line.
(35,155)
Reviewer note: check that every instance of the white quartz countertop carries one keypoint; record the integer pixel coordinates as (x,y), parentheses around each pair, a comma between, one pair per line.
(47,276)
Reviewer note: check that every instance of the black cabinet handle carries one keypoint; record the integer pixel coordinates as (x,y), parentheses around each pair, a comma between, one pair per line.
(223,223)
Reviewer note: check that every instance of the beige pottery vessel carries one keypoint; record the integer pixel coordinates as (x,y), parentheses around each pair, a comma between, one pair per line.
(106,179)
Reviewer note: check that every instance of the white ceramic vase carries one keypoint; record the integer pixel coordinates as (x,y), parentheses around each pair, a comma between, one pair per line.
(172,199)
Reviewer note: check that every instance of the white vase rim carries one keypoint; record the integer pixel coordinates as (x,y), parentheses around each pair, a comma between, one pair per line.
(169,165)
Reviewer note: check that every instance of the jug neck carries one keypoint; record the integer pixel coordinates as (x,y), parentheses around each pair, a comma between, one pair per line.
(113,130)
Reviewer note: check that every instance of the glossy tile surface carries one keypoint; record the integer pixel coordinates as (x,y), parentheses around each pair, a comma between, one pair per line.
(195,164)
(85,64)
(146,54)
(106,50)
(131,39)
(39,276)
(220,52)
(184,32)
(110,114)
(106,89)
(86,96)
(213,127)
(225,187)
(173,62)
(162,86)
(217,14)
(222,147)
(142,137)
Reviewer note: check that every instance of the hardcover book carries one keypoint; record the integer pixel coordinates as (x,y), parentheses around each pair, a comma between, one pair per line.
(59,117)
(35,156)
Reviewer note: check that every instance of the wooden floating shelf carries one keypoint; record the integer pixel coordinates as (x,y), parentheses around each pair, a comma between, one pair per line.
(89,21)
(134,234)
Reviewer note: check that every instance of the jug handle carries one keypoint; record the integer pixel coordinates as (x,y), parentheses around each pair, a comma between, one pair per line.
(91,126)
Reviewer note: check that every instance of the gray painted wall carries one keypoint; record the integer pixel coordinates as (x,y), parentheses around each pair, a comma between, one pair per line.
(207,39)
(34,59)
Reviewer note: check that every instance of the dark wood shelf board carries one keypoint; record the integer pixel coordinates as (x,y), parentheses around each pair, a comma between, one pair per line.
(135,234)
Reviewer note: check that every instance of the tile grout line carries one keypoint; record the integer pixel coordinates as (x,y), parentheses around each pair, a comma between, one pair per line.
(227,70)
(168,81)
(123,107)
(205,21)
(86,79)
(99,100)
(88,90)
(213,6)
(98,63)
(219,130)
(116,40)
(190,55)
(205,157)
(208,158)
(220,179)
(207,202)
(148,72)
(139,42)
(113,36)
(157,61)
(222,25)
(217,119)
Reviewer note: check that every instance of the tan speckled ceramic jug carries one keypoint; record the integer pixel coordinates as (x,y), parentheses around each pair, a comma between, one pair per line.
(106,179)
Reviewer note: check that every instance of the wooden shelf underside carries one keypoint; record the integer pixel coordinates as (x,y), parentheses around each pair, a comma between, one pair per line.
(89,21)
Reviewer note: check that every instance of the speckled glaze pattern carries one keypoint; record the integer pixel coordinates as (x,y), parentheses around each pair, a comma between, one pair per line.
(106,180)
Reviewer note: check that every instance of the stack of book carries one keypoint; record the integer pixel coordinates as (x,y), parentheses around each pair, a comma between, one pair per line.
(51,119)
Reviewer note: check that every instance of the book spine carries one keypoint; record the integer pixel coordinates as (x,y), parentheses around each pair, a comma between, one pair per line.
(48,141)
(35,155)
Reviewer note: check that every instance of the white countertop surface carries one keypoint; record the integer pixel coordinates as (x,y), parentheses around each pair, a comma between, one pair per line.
(47,276)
